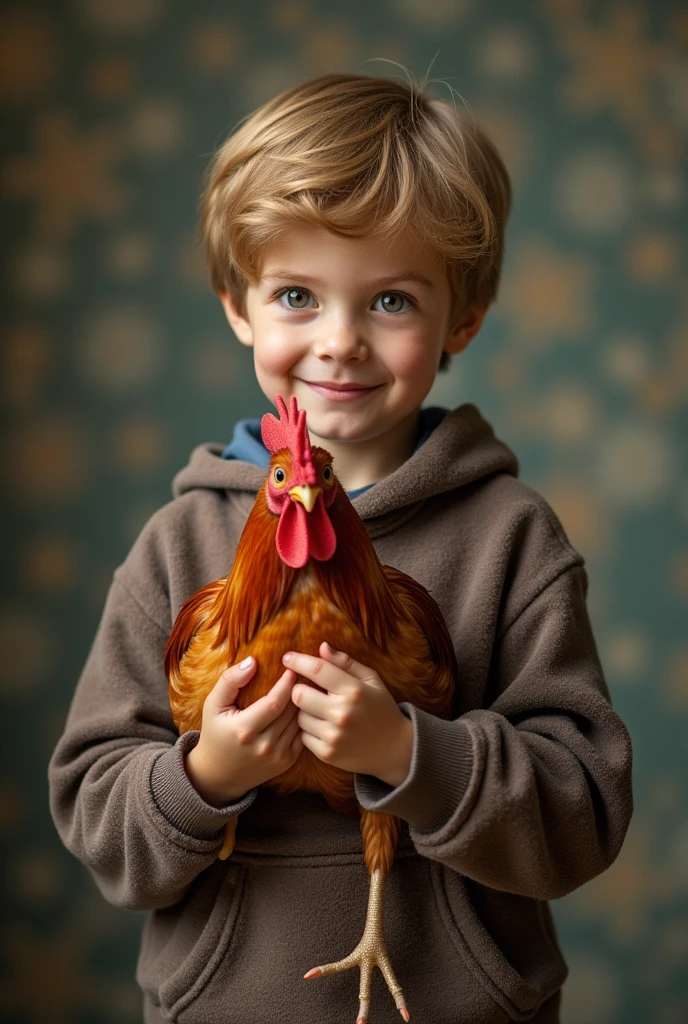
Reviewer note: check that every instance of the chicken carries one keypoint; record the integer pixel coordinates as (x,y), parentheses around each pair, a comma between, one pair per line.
(305,570)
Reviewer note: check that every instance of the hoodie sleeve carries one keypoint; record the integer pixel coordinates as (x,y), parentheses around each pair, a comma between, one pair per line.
(119,794)
(533,794)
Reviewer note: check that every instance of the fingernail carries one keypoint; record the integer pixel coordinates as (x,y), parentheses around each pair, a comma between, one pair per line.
(286,657)
(331,648)
(246,663)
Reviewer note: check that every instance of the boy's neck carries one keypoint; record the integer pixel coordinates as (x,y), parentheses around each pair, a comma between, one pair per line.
(359,463)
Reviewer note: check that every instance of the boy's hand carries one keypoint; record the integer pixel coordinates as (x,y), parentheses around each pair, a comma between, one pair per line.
(238,750)
(357,724)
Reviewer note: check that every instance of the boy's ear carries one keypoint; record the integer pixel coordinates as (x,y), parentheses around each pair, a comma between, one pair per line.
(237,322)
(466,327)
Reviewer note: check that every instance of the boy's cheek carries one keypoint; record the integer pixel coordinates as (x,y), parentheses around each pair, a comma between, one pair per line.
(277,352)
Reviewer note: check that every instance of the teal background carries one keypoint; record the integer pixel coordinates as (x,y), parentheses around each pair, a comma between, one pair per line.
(116,360)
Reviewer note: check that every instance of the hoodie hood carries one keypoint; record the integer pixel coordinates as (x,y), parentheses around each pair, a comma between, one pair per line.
(461,449)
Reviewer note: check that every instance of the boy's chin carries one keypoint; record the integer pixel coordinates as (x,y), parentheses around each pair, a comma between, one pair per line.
(322,433)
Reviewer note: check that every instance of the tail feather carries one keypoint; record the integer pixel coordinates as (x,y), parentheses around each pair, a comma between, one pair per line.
(422,609)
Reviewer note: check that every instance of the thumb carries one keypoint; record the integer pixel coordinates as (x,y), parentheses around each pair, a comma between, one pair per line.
(224,693)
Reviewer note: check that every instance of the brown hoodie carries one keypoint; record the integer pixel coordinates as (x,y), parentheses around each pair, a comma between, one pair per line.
(522,797)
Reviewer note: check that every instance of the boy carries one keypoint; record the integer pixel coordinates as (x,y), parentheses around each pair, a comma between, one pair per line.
(354,228)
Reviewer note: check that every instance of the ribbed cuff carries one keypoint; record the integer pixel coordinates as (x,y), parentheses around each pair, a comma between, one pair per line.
(177,800)
(441,766)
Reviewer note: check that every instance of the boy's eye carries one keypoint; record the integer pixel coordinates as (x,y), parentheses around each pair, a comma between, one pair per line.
(391,302)
(297,298)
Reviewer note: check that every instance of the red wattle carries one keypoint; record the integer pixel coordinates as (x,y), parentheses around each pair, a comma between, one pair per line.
(323,539)
(302,534)
(292,535)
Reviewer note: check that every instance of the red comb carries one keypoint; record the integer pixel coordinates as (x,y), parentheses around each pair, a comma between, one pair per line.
(289,431)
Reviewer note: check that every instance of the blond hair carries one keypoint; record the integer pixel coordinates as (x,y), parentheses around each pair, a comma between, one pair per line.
(358,155)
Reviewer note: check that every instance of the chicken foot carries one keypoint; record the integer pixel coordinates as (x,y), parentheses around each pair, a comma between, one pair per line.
(369,952)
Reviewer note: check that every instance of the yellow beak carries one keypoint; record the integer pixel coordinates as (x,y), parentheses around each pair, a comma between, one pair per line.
(306,495)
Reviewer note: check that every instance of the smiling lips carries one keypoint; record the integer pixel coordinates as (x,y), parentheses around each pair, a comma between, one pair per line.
(340,392)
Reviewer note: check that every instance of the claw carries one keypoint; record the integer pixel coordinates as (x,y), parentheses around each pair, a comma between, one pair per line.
(368,954)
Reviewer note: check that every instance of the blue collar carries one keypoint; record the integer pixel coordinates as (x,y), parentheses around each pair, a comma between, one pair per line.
(247,445)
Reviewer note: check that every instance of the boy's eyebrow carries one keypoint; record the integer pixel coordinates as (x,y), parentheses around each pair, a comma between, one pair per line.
(278,273)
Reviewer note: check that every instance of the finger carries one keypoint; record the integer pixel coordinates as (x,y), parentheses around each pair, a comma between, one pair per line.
(224,693)
(346,663)
(314,726)
(317,703)
(290,727)
(286,737)
(321,672)
(279,724)
(314,744)
(266,709)
(296,745)
(276,727)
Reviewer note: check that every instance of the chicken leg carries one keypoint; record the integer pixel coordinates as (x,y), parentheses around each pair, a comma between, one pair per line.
(228,845)
(380,833)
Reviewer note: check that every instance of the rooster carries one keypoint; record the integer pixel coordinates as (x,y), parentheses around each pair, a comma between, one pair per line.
(305,569)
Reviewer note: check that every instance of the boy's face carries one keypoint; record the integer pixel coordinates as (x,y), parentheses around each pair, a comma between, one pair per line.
(331,311)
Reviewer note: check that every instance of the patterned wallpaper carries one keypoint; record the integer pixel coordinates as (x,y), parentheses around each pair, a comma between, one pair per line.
(116,361)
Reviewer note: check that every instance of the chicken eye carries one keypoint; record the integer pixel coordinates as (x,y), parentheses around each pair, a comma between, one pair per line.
(328,475)
(279,476)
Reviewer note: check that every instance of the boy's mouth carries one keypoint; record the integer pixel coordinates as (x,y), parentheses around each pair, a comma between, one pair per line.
(341,392)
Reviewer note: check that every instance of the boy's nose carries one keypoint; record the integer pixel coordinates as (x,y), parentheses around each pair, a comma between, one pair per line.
(341,342)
